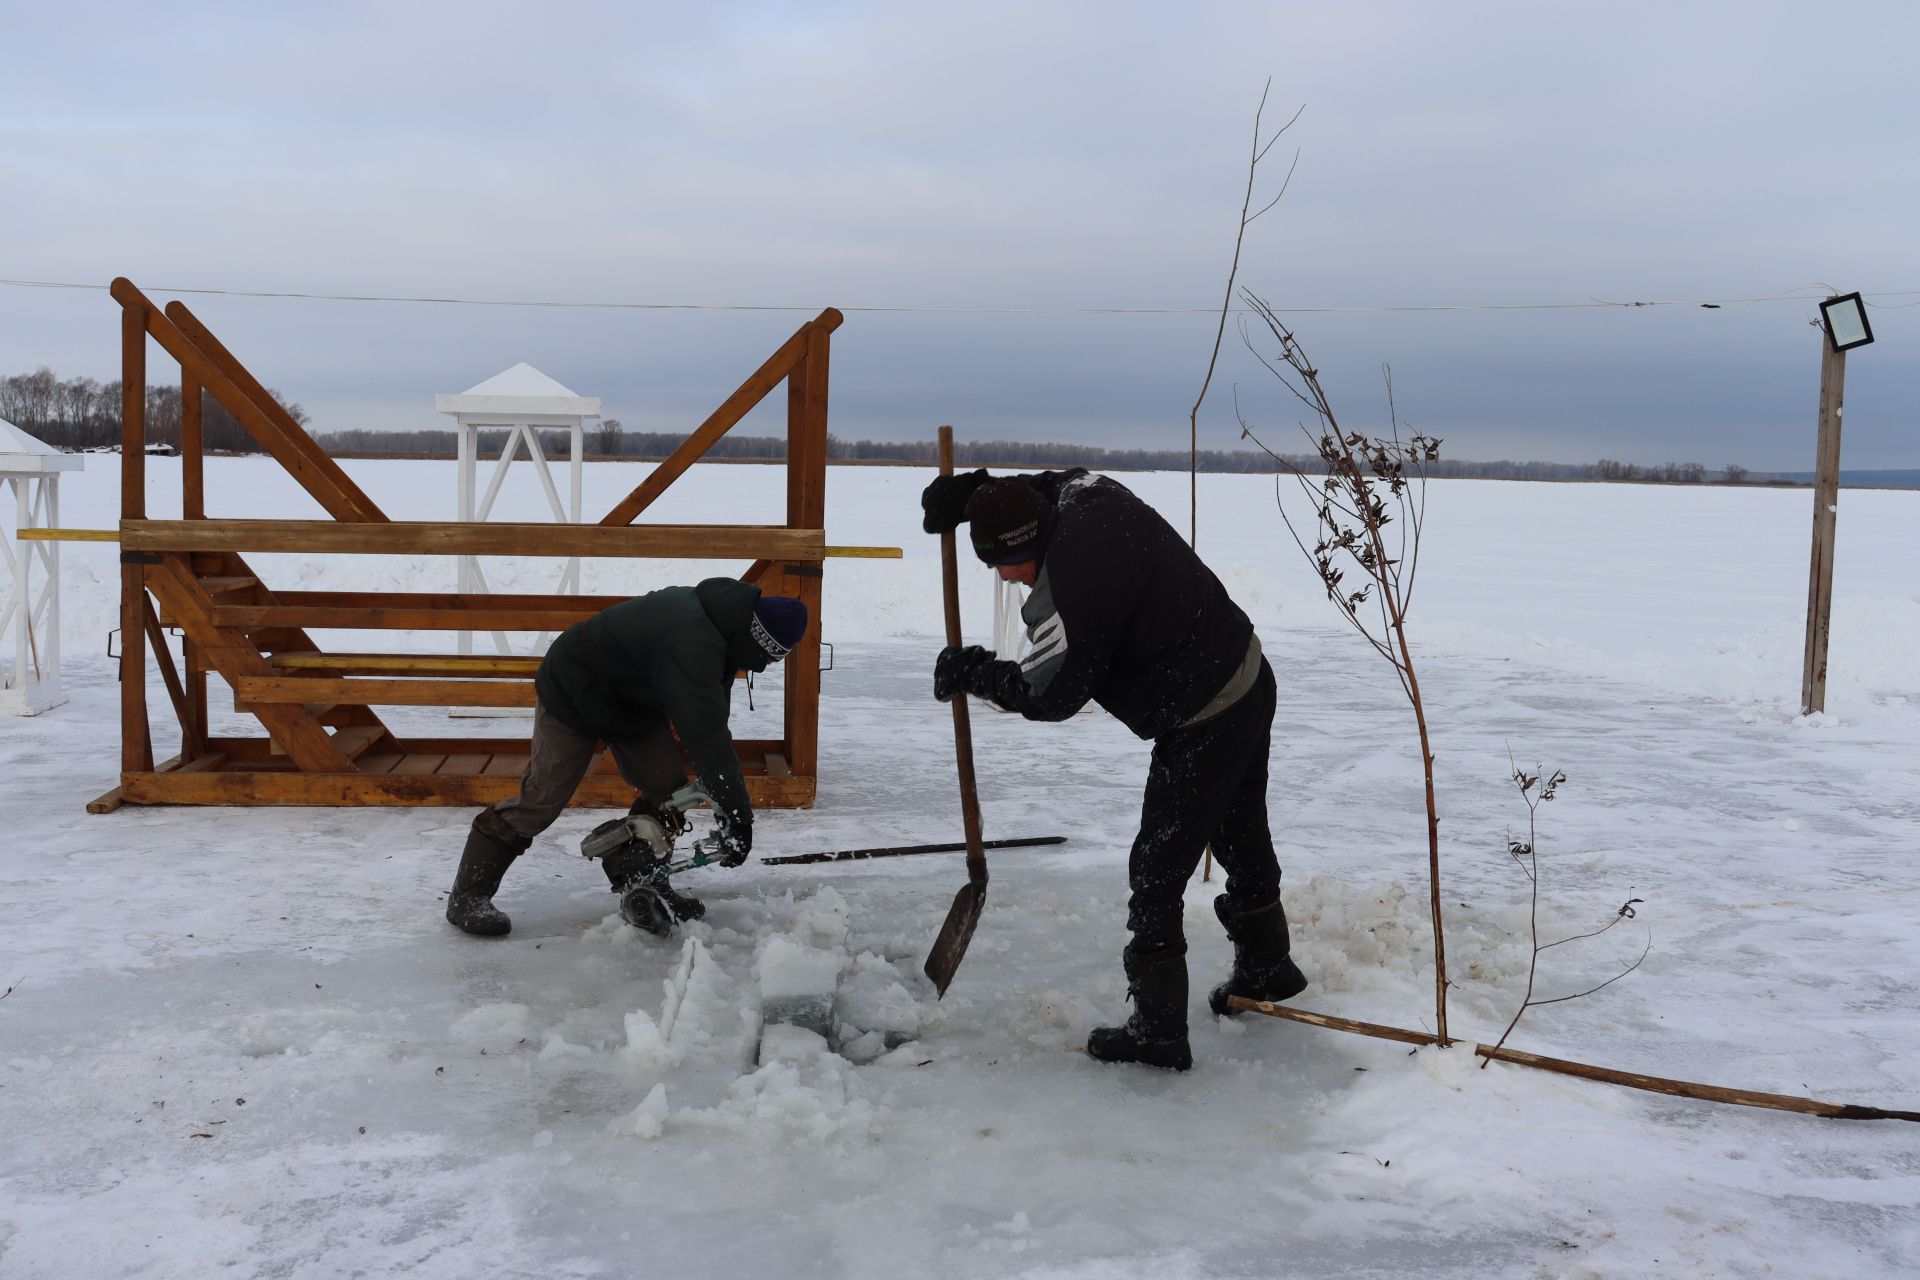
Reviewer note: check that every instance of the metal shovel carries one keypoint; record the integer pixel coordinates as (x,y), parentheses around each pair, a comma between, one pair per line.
(951,946)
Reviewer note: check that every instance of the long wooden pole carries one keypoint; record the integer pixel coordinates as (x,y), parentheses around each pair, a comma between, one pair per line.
(1826,501)
(136,745)
(1586,1071)
(950,946)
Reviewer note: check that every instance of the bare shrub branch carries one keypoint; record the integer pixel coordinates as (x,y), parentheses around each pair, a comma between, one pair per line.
(1526,854)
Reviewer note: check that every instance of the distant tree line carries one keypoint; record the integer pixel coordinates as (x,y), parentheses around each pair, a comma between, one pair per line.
(81,413)
(610,440)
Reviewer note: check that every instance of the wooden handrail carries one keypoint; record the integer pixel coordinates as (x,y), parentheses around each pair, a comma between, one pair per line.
(427,537)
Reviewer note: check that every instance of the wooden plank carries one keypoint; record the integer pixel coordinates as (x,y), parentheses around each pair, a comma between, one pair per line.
(441,600)
(196,677)
(806,508)
(176,692)
(864,553)
(136,742)
(466,765)
(420,762)
(436,537)
(107,803)
(309,449)
(506,766)
(482,746)
(262,787)
(354,740)
(242,750)
(478,666)
(776,765)
(735,407)
(306,690)
(67,535)
(320,477)
(379,762)
(221,584)
(193,452)
(254,617)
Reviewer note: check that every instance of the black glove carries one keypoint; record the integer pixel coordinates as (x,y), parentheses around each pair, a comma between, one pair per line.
(944,501)
(736,842)
(954,667)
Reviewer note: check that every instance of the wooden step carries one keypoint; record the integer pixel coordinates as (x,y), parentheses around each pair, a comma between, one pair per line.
(220,584)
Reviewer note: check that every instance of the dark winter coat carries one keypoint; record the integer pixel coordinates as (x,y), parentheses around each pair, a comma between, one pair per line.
(670,652)
(1123,613)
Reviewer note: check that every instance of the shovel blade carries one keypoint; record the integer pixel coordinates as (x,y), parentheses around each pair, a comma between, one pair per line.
(950,948)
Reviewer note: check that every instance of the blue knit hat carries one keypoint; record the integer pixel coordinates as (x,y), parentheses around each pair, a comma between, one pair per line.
(778,624)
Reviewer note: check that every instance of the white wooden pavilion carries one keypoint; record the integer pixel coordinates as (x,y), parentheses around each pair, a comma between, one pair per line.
(30,619)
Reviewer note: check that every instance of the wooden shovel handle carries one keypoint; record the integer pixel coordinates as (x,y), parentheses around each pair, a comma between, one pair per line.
(962,726)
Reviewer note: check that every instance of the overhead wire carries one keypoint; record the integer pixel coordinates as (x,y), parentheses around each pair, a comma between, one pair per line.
(1799,294)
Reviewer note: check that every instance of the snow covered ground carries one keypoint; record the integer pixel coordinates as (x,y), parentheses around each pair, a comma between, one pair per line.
(244,1042)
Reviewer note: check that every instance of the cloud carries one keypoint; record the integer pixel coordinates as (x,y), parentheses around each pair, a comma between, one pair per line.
(1073,155)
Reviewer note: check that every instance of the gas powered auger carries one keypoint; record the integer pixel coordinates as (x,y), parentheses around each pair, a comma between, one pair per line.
(638,856)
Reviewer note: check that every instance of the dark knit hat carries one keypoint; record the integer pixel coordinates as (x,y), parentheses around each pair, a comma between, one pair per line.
(1008,519)
(778,624)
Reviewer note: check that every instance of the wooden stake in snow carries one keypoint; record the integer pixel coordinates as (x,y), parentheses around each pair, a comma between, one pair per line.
(1585,1071)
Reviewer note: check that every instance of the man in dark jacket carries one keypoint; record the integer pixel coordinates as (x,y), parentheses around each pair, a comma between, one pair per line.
(634,676)
(1122,612)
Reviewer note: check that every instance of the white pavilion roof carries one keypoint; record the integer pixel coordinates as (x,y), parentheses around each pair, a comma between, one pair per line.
(21,452)
(519,394)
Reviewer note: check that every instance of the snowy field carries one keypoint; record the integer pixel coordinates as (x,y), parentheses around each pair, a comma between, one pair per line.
(244,1042)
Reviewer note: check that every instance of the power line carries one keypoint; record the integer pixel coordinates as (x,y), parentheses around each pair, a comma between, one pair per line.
(1804,293)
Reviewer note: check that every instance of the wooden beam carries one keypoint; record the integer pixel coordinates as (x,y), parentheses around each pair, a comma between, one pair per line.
(193,450)
(320,477)
(758,567)
(354,740)
(258,690)
(261,787)
(252,617)
(423,537)
(479,666)
(307,447)
(68,535)
(190,745)
(136,741)
(440,600)
(732,409)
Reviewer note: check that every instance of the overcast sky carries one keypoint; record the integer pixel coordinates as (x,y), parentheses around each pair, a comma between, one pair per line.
(981,156)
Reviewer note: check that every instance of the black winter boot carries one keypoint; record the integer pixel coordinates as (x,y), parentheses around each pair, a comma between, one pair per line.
(1262,966)
(491,848)
(631,867)
(1156,1034)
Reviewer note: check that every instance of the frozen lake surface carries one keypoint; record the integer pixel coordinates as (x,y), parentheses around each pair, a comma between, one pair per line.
(245,1043)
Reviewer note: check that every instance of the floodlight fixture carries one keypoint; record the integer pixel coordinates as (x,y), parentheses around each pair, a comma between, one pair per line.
(1845,319)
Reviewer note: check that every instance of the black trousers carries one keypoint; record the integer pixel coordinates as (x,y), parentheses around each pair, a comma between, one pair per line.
(1206,785)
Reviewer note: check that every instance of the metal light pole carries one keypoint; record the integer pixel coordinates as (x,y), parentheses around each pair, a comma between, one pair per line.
(1844,324)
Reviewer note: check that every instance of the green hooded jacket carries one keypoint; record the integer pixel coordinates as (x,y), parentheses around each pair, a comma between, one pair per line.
(674,652)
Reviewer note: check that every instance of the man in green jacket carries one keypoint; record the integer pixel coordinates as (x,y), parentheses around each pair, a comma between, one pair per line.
(634,676)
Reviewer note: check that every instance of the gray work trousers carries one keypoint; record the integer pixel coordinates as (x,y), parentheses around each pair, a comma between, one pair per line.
(559,758)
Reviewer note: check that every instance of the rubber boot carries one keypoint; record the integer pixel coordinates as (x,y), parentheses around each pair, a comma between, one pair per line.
(491,848)
(1156,1034)
(1263,969)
